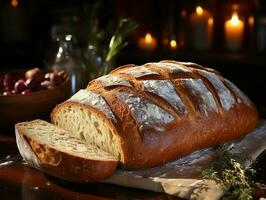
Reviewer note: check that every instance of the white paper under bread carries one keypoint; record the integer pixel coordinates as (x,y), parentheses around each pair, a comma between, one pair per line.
(181,178)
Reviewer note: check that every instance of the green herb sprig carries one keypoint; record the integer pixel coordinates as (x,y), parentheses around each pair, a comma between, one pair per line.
(227,172)
(117,42)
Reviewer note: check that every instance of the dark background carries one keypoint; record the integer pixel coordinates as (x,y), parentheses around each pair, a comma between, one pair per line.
(26,39)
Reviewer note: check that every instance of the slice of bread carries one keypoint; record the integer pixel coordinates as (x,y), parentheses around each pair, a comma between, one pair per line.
(54,151)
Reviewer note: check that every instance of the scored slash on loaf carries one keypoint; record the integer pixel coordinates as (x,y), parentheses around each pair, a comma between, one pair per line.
(167,108)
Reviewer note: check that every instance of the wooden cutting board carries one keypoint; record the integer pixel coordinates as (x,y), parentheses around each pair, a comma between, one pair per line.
(182,178)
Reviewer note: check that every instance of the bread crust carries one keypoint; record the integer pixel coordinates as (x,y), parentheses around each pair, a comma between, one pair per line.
(186,133)
(60,164)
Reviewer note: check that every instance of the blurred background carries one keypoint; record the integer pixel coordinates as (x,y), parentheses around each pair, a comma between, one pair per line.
(229,36)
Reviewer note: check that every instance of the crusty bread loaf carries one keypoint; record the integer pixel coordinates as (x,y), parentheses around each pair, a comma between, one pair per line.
(150,114)
(54,151)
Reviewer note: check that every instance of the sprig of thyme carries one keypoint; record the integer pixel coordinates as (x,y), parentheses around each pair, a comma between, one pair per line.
(228,173)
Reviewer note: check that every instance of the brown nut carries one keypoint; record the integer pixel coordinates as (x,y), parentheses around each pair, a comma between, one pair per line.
(35,74)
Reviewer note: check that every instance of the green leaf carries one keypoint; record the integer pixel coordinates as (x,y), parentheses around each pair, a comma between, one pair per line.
(117,42)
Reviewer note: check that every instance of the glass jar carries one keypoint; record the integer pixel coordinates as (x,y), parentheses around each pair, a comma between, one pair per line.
(65,59)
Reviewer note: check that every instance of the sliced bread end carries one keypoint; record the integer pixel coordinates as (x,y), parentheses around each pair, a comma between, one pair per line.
(55,152)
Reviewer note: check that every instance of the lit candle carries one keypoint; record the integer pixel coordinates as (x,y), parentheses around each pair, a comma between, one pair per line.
(148,42)
(234,30)
(201,23)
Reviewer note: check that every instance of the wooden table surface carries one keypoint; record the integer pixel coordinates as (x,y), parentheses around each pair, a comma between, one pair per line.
(20,182)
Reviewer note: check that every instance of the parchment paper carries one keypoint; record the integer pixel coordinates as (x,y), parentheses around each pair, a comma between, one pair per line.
(181,178)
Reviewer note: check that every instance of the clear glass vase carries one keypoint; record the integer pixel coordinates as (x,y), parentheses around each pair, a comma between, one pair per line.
(65,59)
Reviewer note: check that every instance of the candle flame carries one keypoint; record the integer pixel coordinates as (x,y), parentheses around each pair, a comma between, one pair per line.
(173,44)
(235,19)
(148,37)
(199,10)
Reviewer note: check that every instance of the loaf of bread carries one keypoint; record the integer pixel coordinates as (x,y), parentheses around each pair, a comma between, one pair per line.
(157,112)
(54,151)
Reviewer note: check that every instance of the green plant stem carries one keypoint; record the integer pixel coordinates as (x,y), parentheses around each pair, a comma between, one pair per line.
(117,42)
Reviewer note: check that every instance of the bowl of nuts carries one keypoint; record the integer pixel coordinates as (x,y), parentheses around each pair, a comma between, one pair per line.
(30,95)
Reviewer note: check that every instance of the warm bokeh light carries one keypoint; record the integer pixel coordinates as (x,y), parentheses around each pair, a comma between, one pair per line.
(251,20)
(183,13)
(199,10)
(14,3)
(235,19)
(210,21)
(173,44)
(148,42)
(148,37)
(235,7)
(165,41)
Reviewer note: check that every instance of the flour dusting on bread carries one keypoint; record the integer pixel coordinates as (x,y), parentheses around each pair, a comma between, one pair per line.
(138,72)
(112,80)
(94,100)
(226,98)
(169,93)
(171,67)
(197,88)
(147,114)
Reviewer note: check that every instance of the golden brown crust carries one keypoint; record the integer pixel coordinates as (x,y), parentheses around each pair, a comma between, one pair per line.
(181,138)
(187,133)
